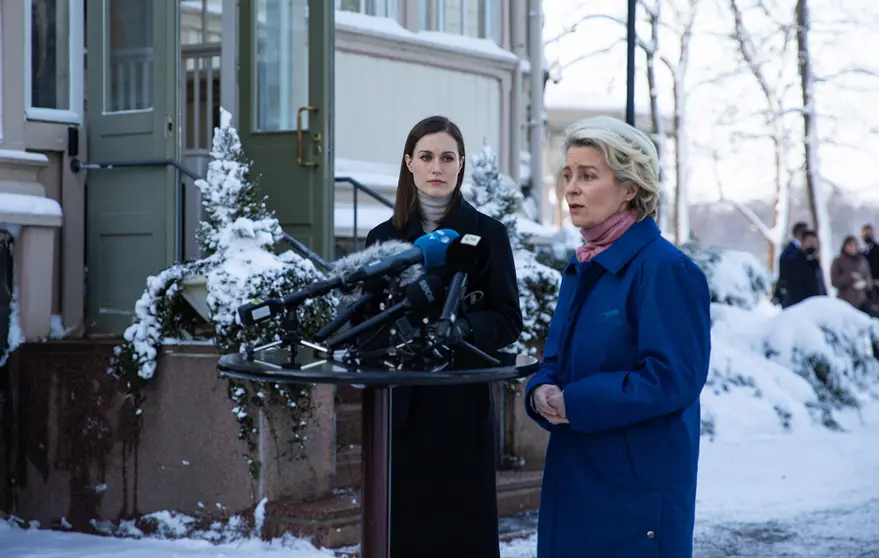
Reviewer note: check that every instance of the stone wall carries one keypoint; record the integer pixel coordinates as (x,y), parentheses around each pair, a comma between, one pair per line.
(70,453)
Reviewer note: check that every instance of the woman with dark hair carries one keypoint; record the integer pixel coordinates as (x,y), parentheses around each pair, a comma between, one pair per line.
(443,491)
(850,275)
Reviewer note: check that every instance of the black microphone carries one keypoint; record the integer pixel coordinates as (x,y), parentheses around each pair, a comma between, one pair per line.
(428,250)
(343,317)
(467,255)
(420,296)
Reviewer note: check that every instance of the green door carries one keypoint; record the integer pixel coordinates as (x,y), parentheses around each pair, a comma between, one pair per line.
(285,77)
(131,85)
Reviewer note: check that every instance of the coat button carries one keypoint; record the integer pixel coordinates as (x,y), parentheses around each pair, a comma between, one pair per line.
(650,534)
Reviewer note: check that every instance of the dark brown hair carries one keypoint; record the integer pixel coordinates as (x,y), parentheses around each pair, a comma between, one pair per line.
(407,193)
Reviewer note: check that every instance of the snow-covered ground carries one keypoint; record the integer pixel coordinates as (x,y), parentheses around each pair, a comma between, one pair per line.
(813,493)
(789,463)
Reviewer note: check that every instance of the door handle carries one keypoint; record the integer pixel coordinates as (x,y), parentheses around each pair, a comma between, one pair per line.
(300,158)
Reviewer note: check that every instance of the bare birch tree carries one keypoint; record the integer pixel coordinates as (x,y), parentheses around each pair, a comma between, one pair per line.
(814,186)
(755,58)
(676,60)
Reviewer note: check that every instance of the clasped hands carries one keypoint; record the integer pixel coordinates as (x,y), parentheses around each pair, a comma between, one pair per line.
(549,401)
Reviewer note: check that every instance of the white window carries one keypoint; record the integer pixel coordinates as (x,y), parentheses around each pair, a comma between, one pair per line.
(381,8)
(53,51)
(473,18)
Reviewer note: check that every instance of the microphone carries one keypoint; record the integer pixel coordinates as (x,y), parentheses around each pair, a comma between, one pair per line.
(343,317)
(428,250)
(420,296)
(466,255)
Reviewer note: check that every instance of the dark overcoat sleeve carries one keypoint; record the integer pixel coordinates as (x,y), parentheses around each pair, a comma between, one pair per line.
(499,323)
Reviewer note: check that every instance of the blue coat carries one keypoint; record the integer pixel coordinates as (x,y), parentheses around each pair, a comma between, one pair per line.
(629,346)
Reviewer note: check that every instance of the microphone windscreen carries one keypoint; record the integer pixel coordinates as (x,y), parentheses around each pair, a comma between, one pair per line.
(468,253)
(434,246)
(344,267)
(425,293)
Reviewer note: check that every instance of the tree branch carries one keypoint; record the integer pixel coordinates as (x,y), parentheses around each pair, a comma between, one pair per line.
(746,211)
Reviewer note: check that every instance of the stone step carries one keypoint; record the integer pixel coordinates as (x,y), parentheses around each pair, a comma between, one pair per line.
(349,394)
(335,521)
(348,424)
(347,468)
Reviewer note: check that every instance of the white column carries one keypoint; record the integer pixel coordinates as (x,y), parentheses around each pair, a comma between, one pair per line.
(229,59)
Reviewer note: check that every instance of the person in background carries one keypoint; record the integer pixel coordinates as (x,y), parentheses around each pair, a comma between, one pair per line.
(625,360)
(871,252)
(850,274)
(805,276)
(443,476)
(789,250)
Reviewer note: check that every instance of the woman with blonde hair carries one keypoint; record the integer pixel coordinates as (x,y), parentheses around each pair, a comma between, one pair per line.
(624,363)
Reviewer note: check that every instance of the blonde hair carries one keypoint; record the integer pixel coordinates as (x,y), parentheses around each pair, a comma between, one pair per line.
(629,153)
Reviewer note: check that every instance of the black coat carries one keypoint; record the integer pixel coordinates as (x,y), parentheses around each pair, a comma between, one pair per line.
(805,278)
(872,255)
(443,490)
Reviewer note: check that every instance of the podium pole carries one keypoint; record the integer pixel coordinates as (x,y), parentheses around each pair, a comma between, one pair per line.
(375,495)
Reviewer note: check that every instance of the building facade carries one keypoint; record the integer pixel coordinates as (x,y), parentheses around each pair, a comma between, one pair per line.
(108,110)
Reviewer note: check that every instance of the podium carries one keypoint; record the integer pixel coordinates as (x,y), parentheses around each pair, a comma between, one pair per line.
(273,365)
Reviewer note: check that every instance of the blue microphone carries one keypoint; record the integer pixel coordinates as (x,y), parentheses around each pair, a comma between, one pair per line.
(429,251)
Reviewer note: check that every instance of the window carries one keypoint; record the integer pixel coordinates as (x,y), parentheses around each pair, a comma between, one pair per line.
(130,56)
(54,61)
(381,8)
(473,18)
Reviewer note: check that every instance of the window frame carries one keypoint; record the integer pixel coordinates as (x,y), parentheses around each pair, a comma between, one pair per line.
(489,19)
(382,6)
(75,36)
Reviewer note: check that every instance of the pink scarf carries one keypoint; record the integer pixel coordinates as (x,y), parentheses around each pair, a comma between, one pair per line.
(601,236)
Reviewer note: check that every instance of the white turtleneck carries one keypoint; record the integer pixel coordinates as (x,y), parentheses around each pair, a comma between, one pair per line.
(433,209)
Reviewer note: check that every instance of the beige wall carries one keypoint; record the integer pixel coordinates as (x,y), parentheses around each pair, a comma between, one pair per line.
(35,161)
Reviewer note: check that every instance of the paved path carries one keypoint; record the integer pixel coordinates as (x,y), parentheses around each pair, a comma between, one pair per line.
(838,533)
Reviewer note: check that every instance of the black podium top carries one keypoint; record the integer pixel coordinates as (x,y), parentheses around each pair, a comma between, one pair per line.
(272,365)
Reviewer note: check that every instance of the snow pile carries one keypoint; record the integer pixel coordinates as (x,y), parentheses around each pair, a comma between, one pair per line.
(778,371)
(736,278)
(538,283)
(170,535)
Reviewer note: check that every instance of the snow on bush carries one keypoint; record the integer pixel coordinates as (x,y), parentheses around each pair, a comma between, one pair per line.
(13,336)
(538,283)
(734,277)
(237,237)
(790,370)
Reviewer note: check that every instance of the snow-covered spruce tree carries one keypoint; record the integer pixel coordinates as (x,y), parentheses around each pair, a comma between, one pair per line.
(538,284)
(237,236)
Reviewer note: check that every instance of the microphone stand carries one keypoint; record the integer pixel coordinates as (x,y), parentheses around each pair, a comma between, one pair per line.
(291,337)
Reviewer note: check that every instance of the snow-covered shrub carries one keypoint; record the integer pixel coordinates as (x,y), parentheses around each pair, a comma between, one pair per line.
(789,369)
(13,335)
(734,277)
(829,343)
(538,283)
(237,236)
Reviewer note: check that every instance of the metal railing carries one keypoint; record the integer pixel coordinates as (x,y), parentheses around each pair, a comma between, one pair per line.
(76,166)
(360,187)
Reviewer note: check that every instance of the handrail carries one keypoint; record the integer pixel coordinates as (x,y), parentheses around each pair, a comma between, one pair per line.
(357,185)
(307,252)
(366,190)
(76,165)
